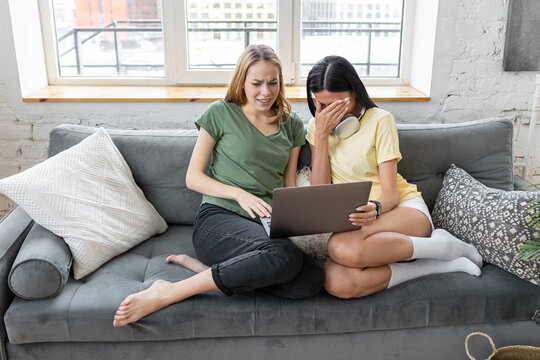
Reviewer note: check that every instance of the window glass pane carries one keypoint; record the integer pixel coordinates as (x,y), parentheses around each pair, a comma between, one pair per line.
(109,38)
(217,41)
(365,32)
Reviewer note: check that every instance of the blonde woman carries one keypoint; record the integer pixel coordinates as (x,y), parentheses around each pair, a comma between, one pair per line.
(254,140)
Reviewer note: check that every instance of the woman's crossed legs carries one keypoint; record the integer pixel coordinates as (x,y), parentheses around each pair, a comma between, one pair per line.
(363,262)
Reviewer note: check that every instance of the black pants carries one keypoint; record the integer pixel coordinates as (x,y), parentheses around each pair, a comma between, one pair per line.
(244,258)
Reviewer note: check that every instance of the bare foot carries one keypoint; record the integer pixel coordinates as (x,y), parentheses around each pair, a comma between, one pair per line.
(137,306)
(188,262)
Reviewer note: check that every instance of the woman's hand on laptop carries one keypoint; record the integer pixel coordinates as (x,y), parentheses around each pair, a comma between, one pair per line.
(253,205)
(365,215)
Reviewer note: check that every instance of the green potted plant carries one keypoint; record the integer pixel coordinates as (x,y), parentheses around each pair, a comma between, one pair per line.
(530,250)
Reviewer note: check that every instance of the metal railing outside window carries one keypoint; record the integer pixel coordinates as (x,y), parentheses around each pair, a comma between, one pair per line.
(246,29)
(77,35)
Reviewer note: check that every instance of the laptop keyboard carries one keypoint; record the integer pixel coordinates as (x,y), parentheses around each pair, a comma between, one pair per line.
(266,224)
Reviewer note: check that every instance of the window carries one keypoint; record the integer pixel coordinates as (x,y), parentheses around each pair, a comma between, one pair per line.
(101,39)
(202,47)
(137,42)
(360,13)
(358,40)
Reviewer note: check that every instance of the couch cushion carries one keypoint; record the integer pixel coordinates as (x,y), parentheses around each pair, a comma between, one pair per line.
(428,150)
(84,310)
(42,266)
(158,160)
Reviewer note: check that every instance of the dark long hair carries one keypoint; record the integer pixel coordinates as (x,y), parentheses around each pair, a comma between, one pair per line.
(335,74)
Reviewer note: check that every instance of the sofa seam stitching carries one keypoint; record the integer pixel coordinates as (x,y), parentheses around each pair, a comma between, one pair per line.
(144,279)
(69,310)
(430,303)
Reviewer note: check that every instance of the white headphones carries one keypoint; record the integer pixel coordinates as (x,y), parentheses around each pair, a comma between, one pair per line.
(348,125)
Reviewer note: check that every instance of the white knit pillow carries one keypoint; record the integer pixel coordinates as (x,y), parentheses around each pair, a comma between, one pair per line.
(87,195)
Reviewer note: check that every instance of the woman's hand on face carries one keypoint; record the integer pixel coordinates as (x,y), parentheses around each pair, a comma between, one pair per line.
(253,205)
(365,215)
(328,118)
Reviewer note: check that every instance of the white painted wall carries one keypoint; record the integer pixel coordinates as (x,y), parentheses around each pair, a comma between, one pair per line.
(468,83)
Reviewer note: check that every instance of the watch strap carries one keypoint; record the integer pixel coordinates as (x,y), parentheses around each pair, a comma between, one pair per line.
(378,207)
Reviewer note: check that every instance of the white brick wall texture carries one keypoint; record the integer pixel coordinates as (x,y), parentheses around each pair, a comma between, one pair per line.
(468,84)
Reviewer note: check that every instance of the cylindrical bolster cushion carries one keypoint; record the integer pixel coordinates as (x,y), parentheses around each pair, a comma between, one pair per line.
(42,266)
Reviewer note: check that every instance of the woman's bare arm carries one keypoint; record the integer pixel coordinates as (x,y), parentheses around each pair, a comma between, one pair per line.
(290,170)
(198,181)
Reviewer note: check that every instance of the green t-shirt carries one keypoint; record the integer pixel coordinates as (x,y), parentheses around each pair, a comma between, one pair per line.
(243,157)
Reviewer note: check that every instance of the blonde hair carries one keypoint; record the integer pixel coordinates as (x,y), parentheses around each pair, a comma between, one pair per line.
(251,55)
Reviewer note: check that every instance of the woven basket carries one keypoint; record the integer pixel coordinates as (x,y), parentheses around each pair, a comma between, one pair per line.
(513,352)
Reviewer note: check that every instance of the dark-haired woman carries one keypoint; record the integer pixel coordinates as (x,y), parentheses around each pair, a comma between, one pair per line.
(395,225)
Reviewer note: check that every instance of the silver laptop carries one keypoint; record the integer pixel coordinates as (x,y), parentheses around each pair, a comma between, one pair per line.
(315,209)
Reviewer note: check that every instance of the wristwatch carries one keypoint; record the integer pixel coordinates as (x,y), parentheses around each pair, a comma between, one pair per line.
(378,207)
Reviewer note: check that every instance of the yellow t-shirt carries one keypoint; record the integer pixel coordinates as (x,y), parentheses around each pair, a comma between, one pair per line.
(357,157)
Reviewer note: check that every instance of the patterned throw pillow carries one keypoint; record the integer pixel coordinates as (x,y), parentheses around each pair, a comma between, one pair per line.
(492,220)
(87,195)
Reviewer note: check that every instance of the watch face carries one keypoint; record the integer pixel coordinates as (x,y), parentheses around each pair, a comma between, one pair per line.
(377,207)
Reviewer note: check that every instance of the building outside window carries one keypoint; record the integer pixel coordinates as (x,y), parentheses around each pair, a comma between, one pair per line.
(128,38)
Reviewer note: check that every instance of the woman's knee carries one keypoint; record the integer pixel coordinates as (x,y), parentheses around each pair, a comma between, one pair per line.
(348,249)
(335,281)
(342,283)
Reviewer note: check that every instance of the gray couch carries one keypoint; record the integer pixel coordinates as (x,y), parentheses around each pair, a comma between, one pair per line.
(425,318)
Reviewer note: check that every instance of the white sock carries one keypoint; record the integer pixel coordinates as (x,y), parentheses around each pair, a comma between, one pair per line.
(444,246)
(402,272)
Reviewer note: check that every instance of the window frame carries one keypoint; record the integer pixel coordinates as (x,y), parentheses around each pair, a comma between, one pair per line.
(176,60)
(51,55)
(186,76)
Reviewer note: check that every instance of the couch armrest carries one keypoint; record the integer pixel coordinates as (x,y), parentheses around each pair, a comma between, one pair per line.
(522,184)
(13,230)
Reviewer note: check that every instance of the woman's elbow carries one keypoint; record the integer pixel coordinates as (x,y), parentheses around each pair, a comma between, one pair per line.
(395,199)
(190,181)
